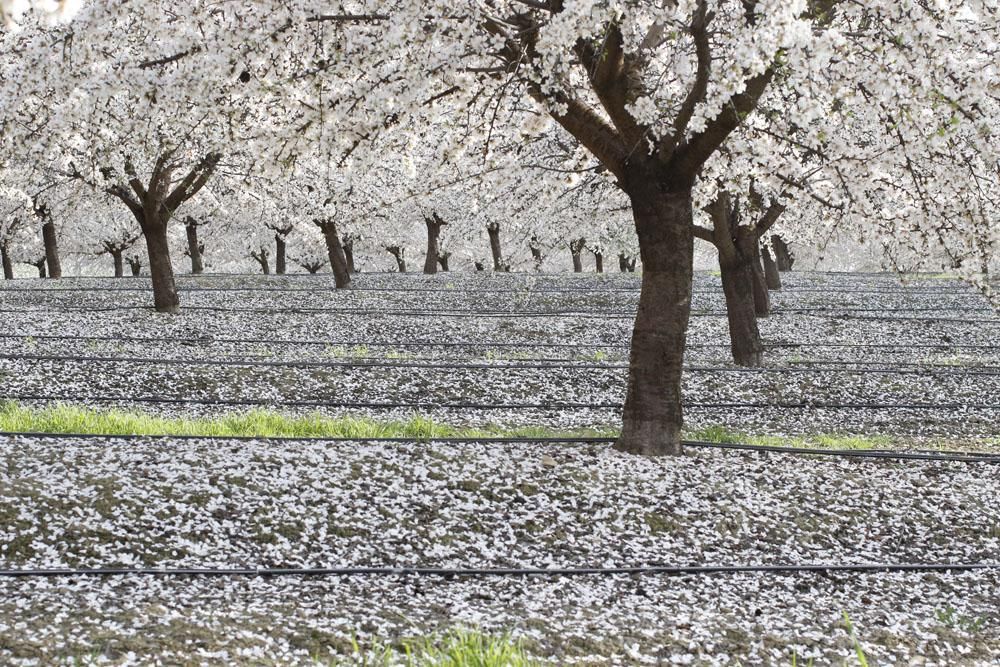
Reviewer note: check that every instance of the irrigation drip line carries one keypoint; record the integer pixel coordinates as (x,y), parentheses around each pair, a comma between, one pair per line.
(470,572)
(498,406)
(511,364)
(914,455)
(842,313)
(527,291)
(477,344)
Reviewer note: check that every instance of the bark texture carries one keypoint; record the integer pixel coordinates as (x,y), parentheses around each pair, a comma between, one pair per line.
(576,249)
(496,248)
(434,224)
(782,255)
(195,249)
(119,262)
(652,415)
(280,255)
(335,251)
(771,274)
(8,265)
(161,270)
(51,241)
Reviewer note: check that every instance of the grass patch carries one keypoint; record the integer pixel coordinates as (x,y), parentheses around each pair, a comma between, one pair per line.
(721,434)
(67,419)
(457,648)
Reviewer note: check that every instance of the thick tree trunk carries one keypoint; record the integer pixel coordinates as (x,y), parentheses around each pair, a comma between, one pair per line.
(576,249)
(165,298)
(493,229)
(51,250)
(761,297)
(434,224)
(335,250)
(652,415)
(8,266)
(443,260)
(116,256)
(280,255)
(194,249)
(744,335)
(771,274)
(782,256)
(347,243)
(599,262)
(399,253)
(135,264)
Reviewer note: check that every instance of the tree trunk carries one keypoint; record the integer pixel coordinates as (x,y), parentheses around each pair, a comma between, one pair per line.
(493,229)
(399,253)
(51,250)
(652,415)
(782,256)
(135,264)
(576,248)
(599,262)
(165,298)
(434,224)
(194,249)
(347,243)
(761,297)
(335,250)
(8,266)
(737,285)
(622,262)
(536,253)
(443,261)
(40,265)
(280,259)
(480,266)
(116,256)
(771,274)
(262,259)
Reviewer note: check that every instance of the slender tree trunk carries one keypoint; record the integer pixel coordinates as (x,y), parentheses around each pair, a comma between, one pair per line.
(782,256)
(116,256)
(493,229)
(347,243)
(8,266)
(737,284)
(434,224)
(599,262)
(135,264)
(622,262)
(761,297)
(194,249)
(262,258)
(399,253)
(575,249)
(652,415)
(335,250)
(443,260)
(480,266)
(536,253)
(51,242)
(40,265)
(165,298)
(771,274)
(280,255)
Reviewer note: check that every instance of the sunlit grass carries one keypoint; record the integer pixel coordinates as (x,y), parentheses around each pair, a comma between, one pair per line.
(721,434)
(68,419)
(457,648)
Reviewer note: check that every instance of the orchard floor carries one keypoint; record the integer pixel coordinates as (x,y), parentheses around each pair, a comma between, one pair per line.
(851,358)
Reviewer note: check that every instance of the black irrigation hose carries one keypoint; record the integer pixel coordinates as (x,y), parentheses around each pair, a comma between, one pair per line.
(512,364)
(479,343)
(915,455)
(497,406)
(470,572)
